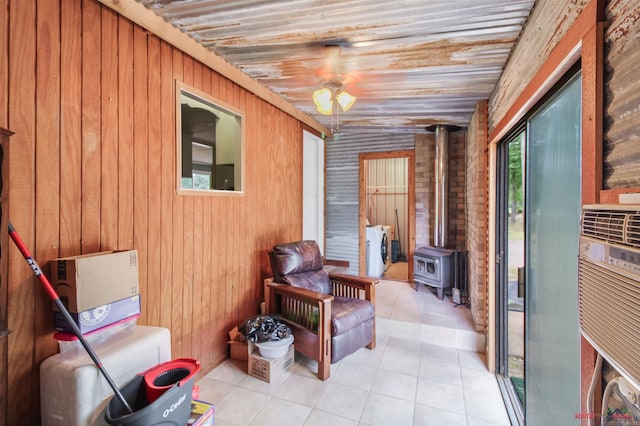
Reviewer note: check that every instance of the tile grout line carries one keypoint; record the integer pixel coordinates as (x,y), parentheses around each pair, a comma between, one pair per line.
(389,326)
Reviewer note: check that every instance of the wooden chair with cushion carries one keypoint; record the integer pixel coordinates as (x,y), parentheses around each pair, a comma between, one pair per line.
(331,315)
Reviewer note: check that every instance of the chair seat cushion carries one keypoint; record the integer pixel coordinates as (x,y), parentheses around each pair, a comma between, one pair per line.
(347,313)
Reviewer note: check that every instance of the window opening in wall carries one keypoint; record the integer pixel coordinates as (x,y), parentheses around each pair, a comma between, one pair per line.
(210,149)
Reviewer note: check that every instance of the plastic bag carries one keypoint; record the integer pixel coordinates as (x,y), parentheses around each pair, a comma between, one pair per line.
(265,328)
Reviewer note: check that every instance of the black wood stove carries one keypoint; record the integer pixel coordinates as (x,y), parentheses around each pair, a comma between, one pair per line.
(433,266)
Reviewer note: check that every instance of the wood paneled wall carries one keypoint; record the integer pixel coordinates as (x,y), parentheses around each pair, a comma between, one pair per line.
(91,99)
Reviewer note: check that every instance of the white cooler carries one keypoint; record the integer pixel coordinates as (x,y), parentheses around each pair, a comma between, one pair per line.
(72,389)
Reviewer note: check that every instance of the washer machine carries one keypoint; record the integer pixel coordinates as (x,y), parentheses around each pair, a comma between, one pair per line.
(375,265)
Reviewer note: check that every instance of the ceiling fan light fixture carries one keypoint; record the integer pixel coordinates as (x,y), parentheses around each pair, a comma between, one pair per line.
(345,100)
(323,101)
(325,109)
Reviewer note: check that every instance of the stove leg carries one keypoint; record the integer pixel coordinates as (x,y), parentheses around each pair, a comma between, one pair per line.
(440,293)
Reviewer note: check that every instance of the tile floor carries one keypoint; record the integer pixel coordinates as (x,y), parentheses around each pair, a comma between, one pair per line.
(438,379)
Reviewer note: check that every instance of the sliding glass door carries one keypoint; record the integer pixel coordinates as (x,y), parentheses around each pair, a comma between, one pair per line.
(552,229)
(538,333)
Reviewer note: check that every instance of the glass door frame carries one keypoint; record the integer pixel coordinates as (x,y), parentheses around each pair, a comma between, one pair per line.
(515,408)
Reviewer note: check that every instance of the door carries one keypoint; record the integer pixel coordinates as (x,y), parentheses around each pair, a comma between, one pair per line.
(313,189)
(538,218)
(553,202)
(390,204)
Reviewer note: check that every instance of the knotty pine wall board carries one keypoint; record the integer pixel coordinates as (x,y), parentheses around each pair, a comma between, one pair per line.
(93,167)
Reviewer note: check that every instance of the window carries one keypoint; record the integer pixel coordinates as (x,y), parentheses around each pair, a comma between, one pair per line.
(210,139)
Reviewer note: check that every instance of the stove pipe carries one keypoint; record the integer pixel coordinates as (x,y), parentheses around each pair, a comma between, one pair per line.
(441,192)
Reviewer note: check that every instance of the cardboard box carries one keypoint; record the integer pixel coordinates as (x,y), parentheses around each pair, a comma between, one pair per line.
(201,413)
(269,369)
(100,316)
(91,280)
(238,348)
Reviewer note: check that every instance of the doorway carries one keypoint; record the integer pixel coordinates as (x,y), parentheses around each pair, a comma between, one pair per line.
(386,214)
(313,189)
(538,220)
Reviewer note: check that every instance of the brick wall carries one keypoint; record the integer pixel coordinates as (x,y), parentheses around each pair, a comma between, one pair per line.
(425,187)
(457,225)
(476,201)
(468,198)
(425,160)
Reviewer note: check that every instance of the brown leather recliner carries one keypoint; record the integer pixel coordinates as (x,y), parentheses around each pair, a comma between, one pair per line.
(331,315)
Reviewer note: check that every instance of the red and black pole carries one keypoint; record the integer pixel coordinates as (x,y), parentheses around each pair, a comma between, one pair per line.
(56,299)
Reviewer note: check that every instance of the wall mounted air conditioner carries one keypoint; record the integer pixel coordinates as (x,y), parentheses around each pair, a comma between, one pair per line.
(609,285)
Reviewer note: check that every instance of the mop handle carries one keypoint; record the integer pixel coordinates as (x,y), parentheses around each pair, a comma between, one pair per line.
(56,299)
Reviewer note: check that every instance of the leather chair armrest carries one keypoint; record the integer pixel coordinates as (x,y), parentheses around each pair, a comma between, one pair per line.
(301,294)
(352,280)
(353,286)
(275,292)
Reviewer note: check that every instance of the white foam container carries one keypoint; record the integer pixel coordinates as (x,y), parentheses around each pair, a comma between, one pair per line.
(73,392)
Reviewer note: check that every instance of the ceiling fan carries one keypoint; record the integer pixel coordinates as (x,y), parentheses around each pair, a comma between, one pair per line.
(335,80)
(333,69)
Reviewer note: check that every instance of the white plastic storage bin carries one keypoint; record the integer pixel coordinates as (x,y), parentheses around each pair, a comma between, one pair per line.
(72,389)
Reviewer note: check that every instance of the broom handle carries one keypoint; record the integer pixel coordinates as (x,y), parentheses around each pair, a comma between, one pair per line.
(56,299)
(398,233)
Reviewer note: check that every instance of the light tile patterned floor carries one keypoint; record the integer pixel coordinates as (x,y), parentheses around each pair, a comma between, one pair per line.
(425,370)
